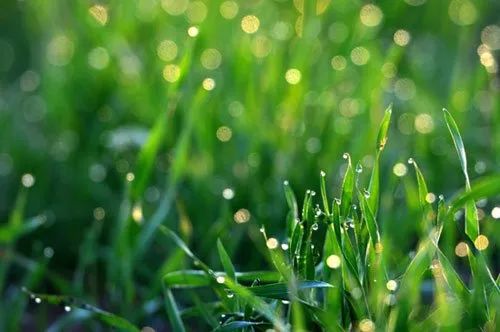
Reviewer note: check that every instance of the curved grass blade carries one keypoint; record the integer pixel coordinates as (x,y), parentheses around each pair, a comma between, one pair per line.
(226,261)
(281,291)
(347,188)
(374,186)
(237,324)
(324,195)
(485,187)
(173,313)
(71,302)
(147,156)
(251,299)
(196,278)
(471,216)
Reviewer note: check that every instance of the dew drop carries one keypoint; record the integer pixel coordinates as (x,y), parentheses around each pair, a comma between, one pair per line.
(313,193)
(337,201)
(345,155)
(359,168)
(410,161)
(285,302)
(38,300)
(322,173)
(230,295)
(366,193)
(285,182)
(284,246)
(67,308)
(354,207)
(441,197)
(315,227)
(262,229)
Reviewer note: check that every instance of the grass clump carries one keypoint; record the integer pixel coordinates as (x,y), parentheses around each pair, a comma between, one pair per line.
(332,267)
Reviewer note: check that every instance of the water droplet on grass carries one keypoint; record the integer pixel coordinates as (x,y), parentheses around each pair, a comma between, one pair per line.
(38,300)
(410,161)
(345,155)
(315,227)
(67,308)
(230,295)
(359,168)
(322,173)
(366,193)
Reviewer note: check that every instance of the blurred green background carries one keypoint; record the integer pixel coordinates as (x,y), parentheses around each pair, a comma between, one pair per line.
(243,94)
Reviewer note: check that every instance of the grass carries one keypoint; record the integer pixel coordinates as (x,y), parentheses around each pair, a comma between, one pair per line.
(125,130)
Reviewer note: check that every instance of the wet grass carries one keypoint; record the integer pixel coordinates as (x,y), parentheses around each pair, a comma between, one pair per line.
(191,165)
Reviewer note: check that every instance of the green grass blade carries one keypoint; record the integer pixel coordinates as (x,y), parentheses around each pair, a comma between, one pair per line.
(226,261)
(281,290)
(70,303)
(173,312)
(347,188)
(384,129)
(471,216)
(324,195)
(147,156)
(197,278)
(237,325)
(374,186)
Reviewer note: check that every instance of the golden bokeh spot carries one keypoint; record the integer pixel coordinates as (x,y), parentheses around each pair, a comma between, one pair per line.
(250,24)
(229,9)
(391,285)
(400,169)
(333,261)
(490,36)
(224,134)
(481,242)
(430,198)
(241,216)
(338,62)
(402,37)
(99,213)
(99,13)
(60,50)
(130,177)
(175,7)
(272,243)
(261,46)
(495,212)
(366,325)
(293,76)
(208,84)
(28,180)
(167,50)
(389,70)
(405,89)
(171,73)
(193,31)
(98,58)
(211,58)
(137,215)
(196,12)
(370,15)
(461,249)
(424,123)
(360,56)
(462,12)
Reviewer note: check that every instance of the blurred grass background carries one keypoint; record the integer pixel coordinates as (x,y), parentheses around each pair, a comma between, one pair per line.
(243,94)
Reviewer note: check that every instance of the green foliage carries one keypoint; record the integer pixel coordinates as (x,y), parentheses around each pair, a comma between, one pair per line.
(126,120)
